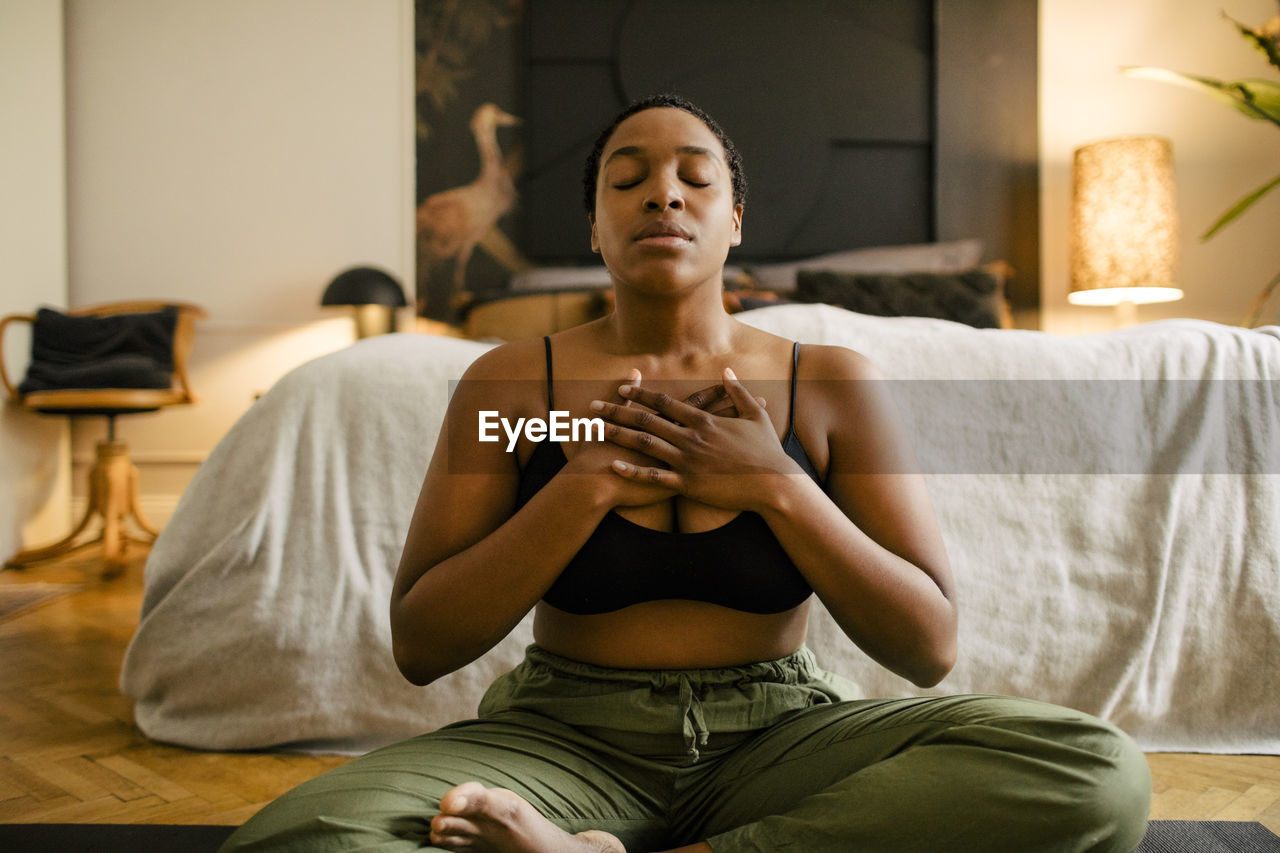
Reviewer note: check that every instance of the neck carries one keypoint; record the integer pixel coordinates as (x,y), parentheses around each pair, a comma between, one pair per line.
(490,153)
(679,326)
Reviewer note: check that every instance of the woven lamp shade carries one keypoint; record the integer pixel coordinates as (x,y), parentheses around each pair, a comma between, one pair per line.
(1124,223)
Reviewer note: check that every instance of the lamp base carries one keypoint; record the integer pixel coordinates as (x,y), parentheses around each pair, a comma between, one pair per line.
(374,320)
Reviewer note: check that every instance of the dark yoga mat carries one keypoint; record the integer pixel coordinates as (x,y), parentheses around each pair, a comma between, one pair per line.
(1163,836)
(111,838)
(1208,836)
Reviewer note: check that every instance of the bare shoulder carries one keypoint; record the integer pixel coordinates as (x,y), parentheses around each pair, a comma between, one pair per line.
(523,359)
(833,400)
(819,361)
(510,377)
(842,394)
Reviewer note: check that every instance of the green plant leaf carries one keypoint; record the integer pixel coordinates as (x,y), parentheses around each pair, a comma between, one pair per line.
(1259,38)
(1258,99)
(1262,95)
(1241,206)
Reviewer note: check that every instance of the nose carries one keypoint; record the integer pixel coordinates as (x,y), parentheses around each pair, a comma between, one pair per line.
(664,193)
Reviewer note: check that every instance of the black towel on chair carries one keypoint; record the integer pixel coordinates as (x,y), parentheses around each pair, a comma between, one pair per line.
(115,351)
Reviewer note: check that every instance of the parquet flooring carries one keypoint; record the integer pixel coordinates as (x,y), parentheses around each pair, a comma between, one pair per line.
(69,751)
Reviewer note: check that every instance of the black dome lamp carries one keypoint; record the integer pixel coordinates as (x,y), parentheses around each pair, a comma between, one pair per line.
(374,294)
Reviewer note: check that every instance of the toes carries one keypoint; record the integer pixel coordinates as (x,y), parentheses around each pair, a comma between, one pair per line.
(445,825)
(453,833)
(466,799)
(452,842)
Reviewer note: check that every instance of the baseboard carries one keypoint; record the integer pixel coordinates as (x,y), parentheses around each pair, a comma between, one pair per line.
(157,508)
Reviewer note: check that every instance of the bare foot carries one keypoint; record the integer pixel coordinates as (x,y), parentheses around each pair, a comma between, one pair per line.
(493,820)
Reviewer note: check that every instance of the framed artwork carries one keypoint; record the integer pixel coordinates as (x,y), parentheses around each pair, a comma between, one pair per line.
(468,150)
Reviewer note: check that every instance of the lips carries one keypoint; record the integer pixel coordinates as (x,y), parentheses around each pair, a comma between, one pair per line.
(663,229)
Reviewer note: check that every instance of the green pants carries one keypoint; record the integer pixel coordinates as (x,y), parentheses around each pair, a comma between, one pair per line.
(765,757)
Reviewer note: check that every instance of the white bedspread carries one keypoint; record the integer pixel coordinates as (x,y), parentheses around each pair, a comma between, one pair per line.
(1141,584)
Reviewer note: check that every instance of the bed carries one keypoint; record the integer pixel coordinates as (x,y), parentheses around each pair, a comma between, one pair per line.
(1109,503)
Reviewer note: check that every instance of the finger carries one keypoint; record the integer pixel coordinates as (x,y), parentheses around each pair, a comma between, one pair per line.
(652,476)
(670,408)
(748,405)
(638,418)
(642,441)
(708,399)
(726,409)
(633,378)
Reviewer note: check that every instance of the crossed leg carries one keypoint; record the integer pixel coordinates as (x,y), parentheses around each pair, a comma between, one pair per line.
(495,820)
(489,786)
(960,773)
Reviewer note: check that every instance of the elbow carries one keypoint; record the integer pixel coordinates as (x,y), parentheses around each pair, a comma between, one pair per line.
(423,659)
(932,668)
(940,650)
(413,667)
(406,651)
(936,657)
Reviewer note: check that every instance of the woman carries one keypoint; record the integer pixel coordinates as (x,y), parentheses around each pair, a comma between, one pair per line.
(669,702)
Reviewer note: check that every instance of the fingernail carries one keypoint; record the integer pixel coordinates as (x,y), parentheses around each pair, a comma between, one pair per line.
(596,406)
(634,375)
(621,466)
(728,371)
(624,390)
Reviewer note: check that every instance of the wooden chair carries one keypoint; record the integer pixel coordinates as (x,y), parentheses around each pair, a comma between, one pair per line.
(113,480)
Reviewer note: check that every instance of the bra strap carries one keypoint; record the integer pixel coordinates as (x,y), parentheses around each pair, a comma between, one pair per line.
(551,406)
(795,369)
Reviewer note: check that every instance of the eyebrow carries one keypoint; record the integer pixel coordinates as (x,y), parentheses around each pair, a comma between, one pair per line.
(638,151)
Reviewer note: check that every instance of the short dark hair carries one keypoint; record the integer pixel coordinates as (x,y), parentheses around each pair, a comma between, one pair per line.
(591,172)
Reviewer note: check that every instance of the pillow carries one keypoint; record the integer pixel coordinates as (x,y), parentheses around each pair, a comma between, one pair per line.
(561,278)
(545,279)
(974,297)
(955,256)
(115,351)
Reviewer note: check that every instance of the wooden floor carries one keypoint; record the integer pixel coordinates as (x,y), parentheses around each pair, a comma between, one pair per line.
(69,751)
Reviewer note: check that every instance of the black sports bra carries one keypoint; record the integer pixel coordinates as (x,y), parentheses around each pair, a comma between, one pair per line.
(739,565)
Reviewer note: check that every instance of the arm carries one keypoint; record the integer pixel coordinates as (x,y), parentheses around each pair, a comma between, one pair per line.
(869,546)
(472,565)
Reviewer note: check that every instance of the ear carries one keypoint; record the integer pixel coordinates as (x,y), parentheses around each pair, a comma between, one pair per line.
(595,238)
(737,226)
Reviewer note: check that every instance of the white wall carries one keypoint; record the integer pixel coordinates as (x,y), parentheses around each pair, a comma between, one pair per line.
(1219,155)
(33,450)
(238,153)
(235,154)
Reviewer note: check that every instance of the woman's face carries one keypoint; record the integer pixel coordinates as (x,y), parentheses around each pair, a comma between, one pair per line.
(665,214)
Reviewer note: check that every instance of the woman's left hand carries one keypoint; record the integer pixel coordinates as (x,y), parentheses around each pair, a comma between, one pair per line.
(710,458)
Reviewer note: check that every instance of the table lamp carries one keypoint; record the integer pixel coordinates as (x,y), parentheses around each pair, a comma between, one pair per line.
(1124,225)
(374,294)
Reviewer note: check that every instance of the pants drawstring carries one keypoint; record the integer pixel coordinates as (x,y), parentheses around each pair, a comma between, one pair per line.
(694,723)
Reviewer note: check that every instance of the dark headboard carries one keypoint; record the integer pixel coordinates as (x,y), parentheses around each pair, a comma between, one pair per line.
(861,122)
